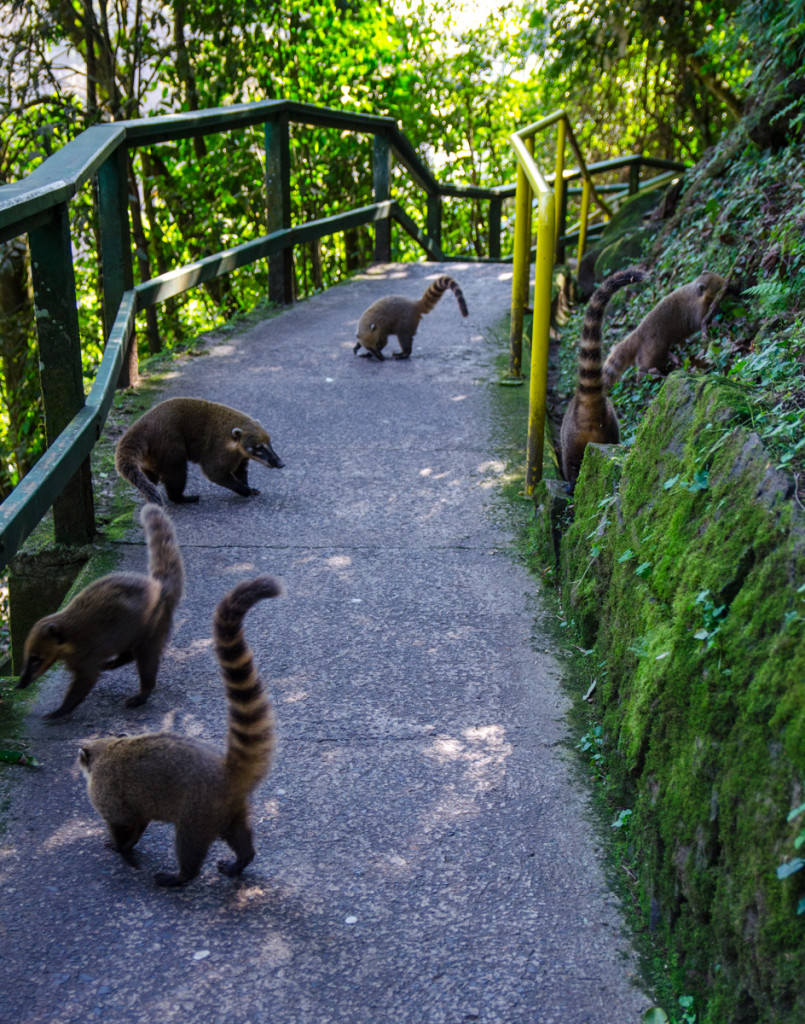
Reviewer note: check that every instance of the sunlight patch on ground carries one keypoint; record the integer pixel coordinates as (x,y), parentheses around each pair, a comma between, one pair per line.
(482,750)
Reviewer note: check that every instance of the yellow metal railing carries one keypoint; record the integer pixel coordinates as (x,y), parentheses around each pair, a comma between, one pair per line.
(530,183)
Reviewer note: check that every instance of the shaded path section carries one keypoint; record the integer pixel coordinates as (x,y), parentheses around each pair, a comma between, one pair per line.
(423,853)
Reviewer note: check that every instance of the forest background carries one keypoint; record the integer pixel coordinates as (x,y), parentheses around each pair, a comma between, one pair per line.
(642,76)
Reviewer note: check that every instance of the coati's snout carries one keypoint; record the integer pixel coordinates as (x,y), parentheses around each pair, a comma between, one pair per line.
(259,449)
(265,453)
(44,646)
(32,669)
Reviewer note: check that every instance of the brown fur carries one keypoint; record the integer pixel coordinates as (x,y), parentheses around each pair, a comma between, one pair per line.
(133,780)
(673,319)
(590,416)
(398,315)
(122,617)
(159,445)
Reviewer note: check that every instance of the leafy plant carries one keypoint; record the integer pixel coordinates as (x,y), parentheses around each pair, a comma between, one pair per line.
(688,1016)
(592,743)
(790,867)
(623,819)
(713,616)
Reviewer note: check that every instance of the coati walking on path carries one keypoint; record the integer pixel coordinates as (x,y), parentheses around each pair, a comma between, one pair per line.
(133,780)
(590,416)
(122,617)
(398,315)
(674,318)
(221,440)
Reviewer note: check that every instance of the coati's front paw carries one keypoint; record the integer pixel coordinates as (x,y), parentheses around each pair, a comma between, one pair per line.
(185,499)
(169,881)
(230,868)
(52,716)
(136,701)
(400,355)
(254,490)
(129,856)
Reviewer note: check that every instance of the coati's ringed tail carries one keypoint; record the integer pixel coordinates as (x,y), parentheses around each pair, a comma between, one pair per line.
(590,416)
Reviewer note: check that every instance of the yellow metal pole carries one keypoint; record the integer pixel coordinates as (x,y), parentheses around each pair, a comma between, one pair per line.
(559,181)
(520,270)
(537,401)
(585,213)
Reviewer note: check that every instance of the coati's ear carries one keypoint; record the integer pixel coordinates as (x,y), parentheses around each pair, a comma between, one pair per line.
(237,433)
(55,632)
(372,327)
(701,288)
(83,757)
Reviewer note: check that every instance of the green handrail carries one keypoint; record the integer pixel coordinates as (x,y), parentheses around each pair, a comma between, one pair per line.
(38,206)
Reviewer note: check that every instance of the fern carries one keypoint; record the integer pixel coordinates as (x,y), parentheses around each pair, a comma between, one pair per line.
(773,295)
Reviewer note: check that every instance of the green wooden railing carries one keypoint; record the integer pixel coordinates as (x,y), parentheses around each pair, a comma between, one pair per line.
(39,207)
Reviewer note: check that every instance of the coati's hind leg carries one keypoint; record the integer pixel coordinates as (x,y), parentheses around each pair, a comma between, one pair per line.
(192,844)
(406,341)
(239,837)
(147,665)
(174,477)
(78,689)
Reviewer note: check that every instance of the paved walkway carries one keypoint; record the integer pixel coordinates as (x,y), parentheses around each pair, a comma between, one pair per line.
(423,851)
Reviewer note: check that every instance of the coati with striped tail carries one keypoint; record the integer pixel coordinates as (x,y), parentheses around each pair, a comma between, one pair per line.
(122,617)
(133,780)
(591,417)
(398,315)
(674,318)
(158,446)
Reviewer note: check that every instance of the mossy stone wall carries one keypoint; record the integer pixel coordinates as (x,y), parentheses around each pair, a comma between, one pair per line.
(682,568)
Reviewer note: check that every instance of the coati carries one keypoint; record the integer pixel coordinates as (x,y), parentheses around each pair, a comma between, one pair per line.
(122,617)
(590,416)
(133,780)
(673,319)
(398,315)
(221,440)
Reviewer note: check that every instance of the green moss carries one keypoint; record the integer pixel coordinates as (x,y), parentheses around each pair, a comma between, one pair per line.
(684,570)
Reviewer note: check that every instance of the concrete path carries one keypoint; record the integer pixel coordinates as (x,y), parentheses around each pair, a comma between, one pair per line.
(423,850)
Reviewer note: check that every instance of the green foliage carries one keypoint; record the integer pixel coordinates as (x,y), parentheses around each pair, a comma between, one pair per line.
(790,867)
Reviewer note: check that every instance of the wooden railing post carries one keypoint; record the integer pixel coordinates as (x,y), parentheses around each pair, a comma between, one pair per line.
(278,199)
(584,216)
(495,210)
(381,187)
(521,268)
(60,364)
(434,219)
(540,339)
(559,191)
(634,177)
(116,262)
